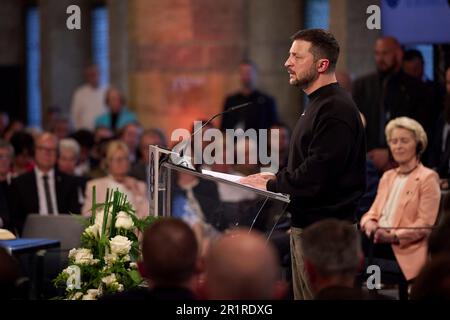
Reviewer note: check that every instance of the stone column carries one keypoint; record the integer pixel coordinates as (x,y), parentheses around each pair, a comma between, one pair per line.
(118,43)
(64,53)
(270,24)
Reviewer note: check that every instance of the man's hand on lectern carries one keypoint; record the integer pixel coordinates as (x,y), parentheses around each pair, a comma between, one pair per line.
(258,180)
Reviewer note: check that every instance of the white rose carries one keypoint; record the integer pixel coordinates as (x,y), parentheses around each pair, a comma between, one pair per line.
(133,265)
(120,245)
(120,287)
(72,253)
(91,294)
(76,296)
(99,220)
(92,231)
(82,256)
(108,280)
(67,270)
(110,259)
(124,221)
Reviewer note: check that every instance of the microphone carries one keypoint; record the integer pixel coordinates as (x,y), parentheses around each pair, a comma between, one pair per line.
(239,106)
(185,162)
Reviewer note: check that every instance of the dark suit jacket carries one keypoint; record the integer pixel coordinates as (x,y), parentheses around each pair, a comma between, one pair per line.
(399,95)
(4,205)
(439,159)
(24,197)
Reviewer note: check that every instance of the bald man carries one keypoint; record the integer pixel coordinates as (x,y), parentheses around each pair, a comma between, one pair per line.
(386,94)
(170,263)
(43,190)
(242,265)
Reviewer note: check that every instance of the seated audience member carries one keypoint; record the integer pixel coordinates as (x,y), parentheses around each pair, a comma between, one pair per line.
(61,127)
(241,265)
(117,115)
(148,137)
(407,201)
(117,165)
(13,127)
(282,148)
(44,190)
(69,153)
(433,282)
(332,255)
(6,155)
(85,140)
(131,134)
(68,156)
(196,201)
(23,145)
(9,275)
(102,137)
(170,263)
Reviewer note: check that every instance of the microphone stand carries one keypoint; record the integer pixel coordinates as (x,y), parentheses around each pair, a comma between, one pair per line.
(186,162)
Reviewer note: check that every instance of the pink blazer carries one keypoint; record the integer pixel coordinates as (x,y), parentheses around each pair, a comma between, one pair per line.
(138,199)
(418,206)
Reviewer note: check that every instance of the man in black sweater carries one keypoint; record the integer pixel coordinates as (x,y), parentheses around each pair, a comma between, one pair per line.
(326,171)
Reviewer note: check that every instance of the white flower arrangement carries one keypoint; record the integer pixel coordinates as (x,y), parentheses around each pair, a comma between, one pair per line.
(106,261)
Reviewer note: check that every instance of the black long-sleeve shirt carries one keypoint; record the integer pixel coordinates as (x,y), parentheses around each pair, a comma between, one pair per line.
(326,171)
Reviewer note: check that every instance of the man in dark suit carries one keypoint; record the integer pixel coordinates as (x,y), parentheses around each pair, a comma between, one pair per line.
(44,190)
(389,93)
(6,155)
(261,114)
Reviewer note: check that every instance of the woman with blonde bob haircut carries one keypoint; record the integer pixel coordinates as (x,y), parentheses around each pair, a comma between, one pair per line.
(118,165)
(407,200)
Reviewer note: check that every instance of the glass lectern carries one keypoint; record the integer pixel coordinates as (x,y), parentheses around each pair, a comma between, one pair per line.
(218,200)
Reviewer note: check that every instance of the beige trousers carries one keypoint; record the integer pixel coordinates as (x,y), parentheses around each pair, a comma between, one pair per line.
(300,284)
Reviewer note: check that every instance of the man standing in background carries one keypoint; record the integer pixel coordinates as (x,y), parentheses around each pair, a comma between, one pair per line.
(88,101)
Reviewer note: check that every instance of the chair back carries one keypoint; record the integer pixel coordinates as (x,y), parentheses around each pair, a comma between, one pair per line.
(65,228)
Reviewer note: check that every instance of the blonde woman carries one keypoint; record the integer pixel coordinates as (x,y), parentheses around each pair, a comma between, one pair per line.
(118,165)
(407,200)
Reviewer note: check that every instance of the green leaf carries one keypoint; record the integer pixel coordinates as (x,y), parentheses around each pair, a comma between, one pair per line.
(135,276)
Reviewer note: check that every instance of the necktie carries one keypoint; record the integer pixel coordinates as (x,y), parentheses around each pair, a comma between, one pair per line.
(47,194)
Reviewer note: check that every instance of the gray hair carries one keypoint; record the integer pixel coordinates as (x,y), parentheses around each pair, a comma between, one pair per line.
(6,145)
(71,145)
(332,246)
(411,125)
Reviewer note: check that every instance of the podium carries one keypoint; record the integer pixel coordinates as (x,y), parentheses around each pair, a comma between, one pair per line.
(215,199)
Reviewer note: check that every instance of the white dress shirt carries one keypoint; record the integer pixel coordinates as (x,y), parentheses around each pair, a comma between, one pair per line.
(87,104)
(43,209)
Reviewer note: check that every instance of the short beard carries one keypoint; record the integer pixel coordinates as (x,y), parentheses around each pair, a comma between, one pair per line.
(305,80)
